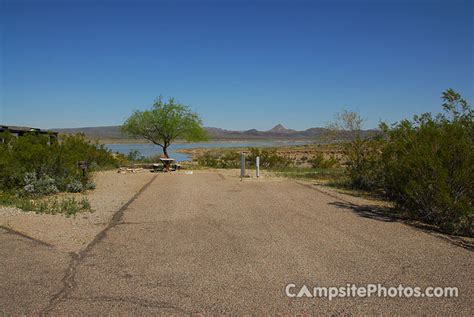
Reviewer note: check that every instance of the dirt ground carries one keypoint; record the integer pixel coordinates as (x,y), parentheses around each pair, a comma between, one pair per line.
(70,234)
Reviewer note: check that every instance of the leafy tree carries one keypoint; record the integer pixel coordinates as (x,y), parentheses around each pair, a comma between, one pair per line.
(165,122)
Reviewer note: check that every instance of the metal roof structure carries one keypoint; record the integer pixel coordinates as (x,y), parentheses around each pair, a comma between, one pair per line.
(23,130)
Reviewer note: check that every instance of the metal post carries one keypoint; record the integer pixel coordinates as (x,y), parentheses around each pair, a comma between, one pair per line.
(257,166)
(242,165)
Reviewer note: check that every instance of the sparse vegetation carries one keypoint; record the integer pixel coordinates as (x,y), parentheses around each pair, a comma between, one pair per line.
(68,206)
(134,156)
(230,158)
(320,162)
(316,168)
(269,159)
(219,159)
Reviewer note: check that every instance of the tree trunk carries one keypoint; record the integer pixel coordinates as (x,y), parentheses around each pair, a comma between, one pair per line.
(165,151)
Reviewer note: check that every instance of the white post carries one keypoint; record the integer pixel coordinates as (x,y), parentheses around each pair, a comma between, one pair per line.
(242,165)
(257,166)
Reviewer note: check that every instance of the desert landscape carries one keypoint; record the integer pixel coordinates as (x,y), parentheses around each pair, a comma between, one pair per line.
(236,158)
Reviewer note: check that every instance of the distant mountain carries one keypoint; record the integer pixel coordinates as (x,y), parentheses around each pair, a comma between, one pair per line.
(279,128)
(279,132)
(106,132)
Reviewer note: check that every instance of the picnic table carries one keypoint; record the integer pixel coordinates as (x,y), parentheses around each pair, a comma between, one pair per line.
(167,163)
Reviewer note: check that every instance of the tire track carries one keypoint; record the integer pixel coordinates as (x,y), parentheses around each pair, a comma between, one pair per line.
(69,282)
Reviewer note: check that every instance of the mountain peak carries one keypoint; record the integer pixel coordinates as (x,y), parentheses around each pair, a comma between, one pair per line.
(279,128)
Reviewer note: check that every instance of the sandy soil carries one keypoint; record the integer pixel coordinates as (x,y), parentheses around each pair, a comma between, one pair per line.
(70,234)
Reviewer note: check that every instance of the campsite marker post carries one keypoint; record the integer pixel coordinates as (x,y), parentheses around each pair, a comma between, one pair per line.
(257,166)
(242,166)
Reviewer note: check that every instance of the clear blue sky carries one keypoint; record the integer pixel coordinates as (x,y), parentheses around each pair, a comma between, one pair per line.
(240,64)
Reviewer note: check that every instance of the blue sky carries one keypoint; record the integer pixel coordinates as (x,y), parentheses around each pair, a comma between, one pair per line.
(240,64)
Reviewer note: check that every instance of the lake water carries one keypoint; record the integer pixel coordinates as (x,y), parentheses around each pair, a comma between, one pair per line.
(151,149)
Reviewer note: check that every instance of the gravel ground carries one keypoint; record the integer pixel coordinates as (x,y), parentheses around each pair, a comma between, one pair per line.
(215,245)
(208,243)
(73,233)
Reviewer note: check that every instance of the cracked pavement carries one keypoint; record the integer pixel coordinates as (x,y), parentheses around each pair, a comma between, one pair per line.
(205,243)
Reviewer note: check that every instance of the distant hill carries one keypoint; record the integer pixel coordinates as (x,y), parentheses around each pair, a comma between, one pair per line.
(279,132)
(279,128)
(106,132)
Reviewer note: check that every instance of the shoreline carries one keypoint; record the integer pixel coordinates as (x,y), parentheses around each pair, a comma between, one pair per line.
(142,141)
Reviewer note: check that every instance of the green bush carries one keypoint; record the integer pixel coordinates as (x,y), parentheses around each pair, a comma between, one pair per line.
(425,165)
(89,186)
(320,162)
(227,159)
(30,165)
(208,159)
(230,159)
(363,163)
(269,158)
(135,156)
(428,165)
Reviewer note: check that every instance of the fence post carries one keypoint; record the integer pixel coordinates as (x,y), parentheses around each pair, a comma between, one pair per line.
(257,166)
(242,165)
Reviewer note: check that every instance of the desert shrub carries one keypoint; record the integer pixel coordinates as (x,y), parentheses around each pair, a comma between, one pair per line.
(74,148)
(51,205)
(230,159)
(226,159)
(361,154)
(425,165)
(75,186)
(363,163)
(93,166)
(428,165)
(269,158)
(135,156)
(320,162)
(31,165)
(149,159)
(208,159)
(89,186)
(34,186)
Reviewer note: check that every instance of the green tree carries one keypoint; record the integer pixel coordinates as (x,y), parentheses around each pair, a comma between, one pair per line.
(165,122)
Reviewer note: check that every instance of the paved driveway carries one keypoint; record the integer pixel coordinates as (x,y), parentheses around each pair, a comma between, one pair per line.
(205,243)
